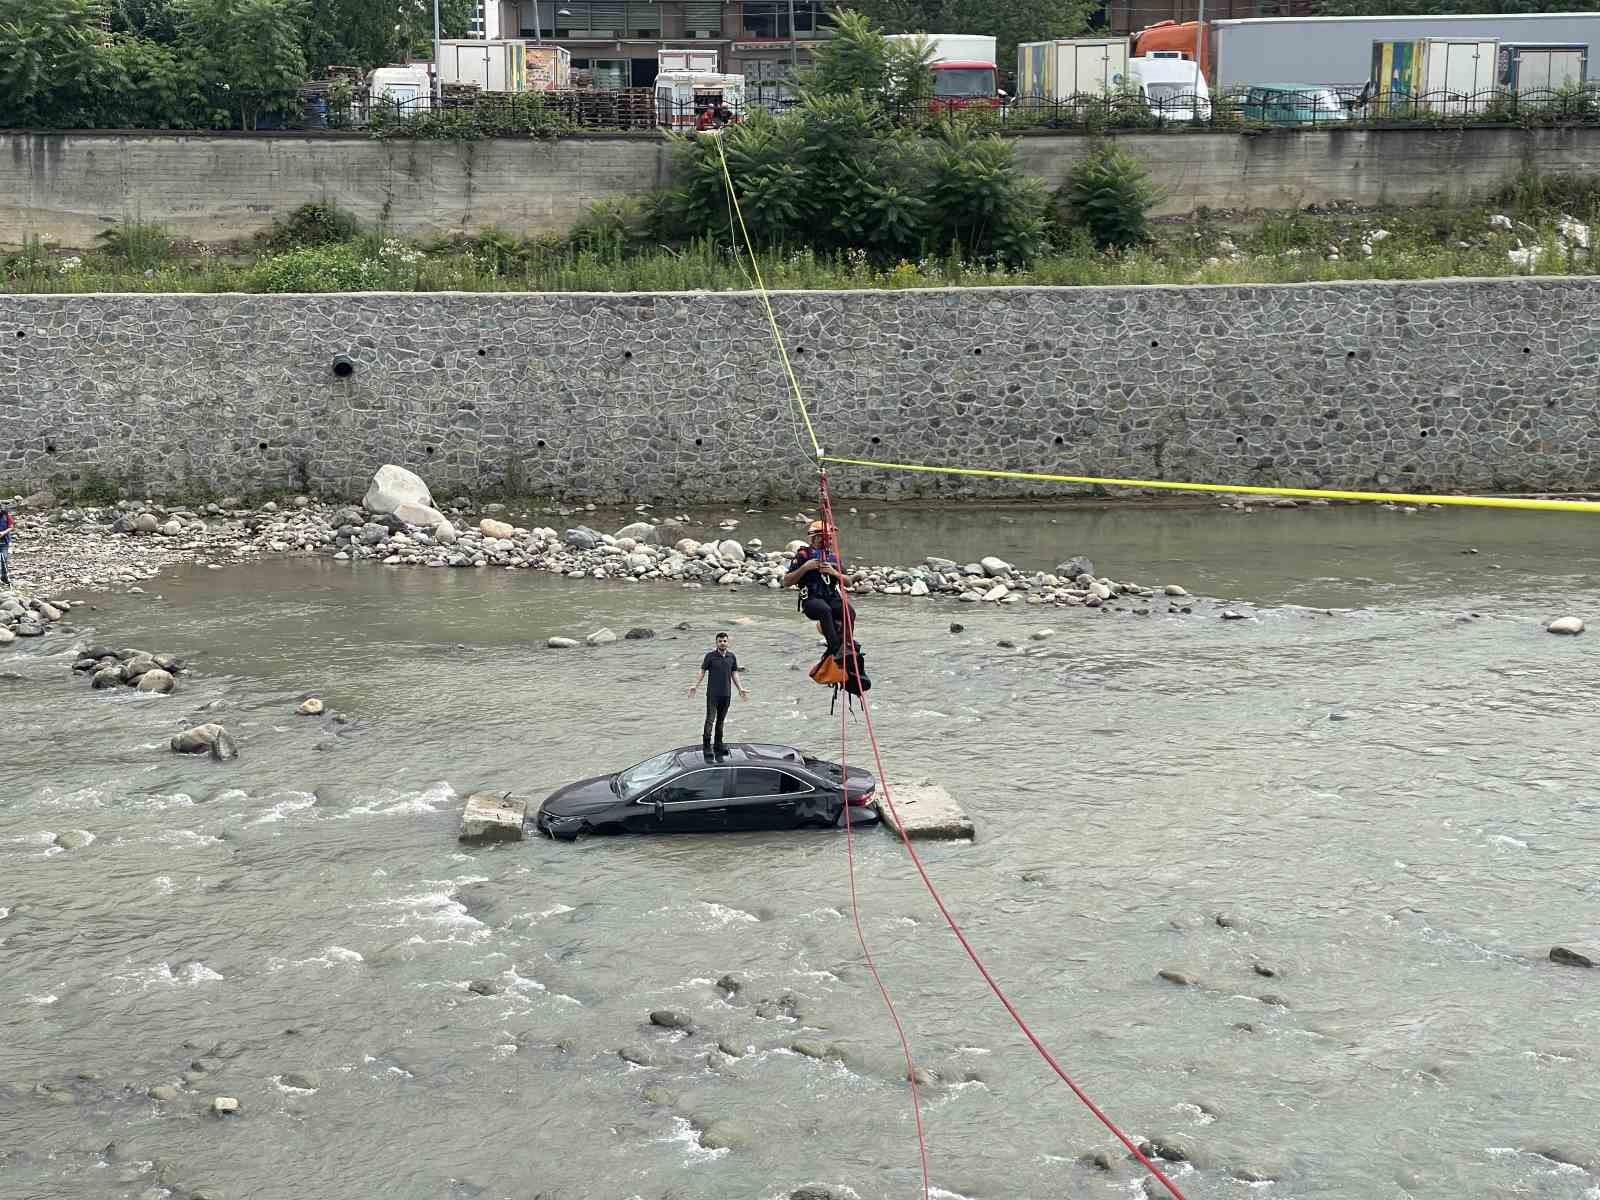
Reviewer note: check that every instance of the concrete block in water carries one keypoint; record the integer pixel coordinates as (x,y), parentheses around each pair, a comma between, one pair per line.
(492,818)
(925,810)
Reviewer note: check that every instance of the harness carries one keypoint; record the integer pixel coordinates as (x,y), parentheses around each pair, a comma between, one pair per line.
(822,587)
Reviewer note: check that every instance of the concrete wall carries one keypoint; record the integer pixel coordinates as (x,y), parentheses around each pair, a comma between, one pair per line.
(216,187)
(1454,384)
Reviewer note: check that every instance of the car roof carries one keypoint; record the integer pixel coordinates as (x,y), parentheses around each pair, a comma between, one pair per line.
(764,754)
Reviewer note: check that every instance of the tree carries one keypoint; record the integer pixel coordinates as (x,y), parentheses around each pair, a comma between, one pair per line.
(50,60)
(859,61)
(373,33)
(248,51)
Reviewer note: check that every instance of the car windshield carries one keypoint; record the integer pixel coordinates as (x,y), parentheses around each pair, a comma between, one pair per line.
(964,81)
(652,770)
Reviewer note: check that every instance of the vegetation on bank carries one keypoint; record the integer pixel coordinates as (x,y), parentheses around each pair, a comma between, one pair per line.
(321,250)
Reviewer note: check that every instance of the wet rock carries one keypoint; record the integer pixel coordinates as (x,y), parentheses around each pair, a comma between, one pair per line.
(1041,635)
(1173,589)
(393,486)
(731,1048)
(581,538)
(1570,1156)
(137,665)
(197,740)
(817,1050)
(1075,566)
(601,637)
(489,527)
(957,627)
(1273,1000)
(1567,625)
(73,839)
(1177,977)
(1006,644)
(107,677)
(642,532)
(726,1135)
(294,1079)
(157,680)
(1229,614)
(668,1018)
(224,1106)
(483,987)
(1569,958)
(223,748)
(639,634)
(1264,971)
(1099,1160)
(637,1055)
(311,706)
(994,567)
(163,1092)
(488,817)
(28,629)
(563,643)
(923,1077)
(813,1192)
(730,984)
(1253,1174)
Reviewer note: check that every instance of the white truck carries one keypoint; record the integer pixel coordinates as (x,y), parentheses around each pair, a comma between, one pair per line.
(495,66)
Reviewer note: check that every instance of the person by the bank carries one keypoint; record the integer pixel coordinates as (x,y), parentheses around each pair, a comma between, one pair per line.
(719,671)
(7,524)
(820,576)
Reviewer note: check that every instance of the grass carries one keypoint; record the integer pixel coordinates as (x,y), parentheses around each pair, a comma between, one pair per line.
(1209,248)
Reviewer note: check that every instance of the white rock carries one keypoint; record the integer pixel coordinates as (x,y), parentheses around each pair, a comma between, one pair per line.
(642,533)
(49,611)
(971,597)
(639,562)
(1565,625)
(1499,221)
(156,680)
(172,528)
(728,578)
(730,551)
(1572,231)
(489,527)
(601,637)
(310,707)
(998,592)
(918,588)
(1173,589)
(993,566)
(1040,635)
(688,547)
(563,643)
(1525,260)
(1101,590)
(1378,235)
(224,1106)
(6,636)
(423,516)
(146,523)
(392,486)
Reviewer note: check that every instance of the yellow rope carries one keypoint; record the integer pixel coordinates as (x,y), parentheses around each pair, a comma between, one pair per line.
(1588,506)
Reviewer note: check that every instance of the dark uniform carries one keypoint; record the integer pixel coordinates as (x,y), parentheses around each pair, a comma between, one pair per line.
(719,669)
(821,598)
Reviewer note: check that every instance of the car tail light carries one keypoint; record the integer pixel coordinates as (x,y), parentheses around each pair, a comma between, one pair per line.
(861,799)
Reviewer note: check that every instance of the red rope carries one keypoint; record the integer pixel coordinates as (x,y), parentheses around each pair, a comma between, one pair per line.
(883,784)
(850,856)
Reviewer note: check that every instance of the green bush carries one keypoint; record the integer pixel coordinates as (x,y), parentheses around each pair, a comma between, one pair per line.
(320,269)
(136,245)
(313,225)
(1109,193)
(97,490)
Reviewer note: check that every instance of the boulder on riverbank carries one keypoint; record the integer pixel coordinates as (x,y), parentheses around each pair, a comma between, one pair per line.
(393,486)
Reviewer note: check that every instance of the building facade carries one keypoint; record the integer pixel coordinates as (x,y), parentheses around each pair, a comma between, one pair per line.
(615,41)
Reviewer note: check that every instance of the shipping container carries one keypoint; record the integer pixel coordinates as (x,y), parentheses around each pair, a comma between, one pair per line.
(1338,50)
(548,69)
(1072,66)
(1442,74)
(497,66)
(953,47)
(683,58)
(1542,68)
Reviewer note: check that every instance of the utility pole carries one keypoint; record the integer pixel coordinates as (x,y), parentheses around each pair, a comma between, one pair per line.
(793,60)
(1199,38)
(436,54)
(538,25)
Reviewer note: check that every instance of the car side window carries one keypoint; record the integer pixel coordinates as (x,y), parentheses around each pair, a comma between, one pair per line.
(793,785)
(695,786)
(756,781)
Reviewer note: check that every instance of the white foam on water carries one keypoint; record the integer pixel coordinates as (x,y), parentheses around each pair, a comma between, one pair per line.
(943,1194)
(1199,1115)
(164,885)
(1505,839)
(439,908)
(189,838)
(521,983)
(84,797)
(292,803)
(553,912)
(430,799)
(160,802)
(190,974)
(4,912)
(685,1134)
(42,1000)
(231,795)
(277,1081)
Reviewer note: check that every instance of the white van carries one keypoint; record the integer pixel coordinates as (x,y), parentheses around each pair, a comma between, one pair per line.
(1171,85)
(410,87)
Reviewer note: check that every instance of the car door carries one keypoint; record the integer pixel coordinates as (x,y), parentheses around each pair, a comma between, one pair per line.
(769,798)
(692,803)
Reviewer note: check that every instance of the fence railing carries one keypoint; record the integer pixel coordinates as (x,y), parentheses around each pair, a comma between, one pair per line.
(489,114)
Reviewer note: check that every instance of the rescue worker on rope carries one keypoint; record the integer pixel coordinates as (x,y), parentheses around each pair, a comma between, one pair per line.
(820,576)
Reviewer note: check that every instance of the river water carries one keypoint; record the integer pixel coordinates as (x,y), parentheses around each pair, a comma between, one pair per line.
(1391,807)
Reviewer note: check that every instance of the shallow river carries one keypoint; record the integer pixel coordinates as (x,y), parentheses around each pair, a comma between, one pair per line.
(1391,808)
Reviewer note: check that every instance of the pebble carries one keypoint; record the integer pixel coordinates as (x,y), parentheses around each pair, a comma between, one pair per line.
(224,1106)
(1567,625)
(311,706)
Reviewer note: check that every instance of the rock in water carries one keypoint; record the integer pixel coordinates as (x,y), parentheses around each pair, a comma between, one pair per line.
(310,707)
(639,634)
(601,637)
(642,532)
(495,529)
(393,486)
(223,748)
(491,818)
(1569,958)
(157,680)
(107,677)
(1569,625)
(1173,589)
(563,643)
(1075,566)
(993,566)
(224,1106)
(196,740)
(730,552)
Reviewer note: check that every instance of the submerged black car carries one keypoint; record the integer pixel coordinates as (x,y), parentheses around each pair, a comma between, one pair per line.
(751,786)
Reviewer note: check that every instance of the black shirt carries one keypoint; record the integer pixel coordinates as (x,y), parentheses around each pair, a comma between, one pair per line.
(719,669)
(823,587)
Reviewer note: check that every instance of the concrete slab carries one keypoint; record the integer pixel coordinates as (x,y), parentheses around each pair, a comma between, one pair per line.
(491,818)
(926,811)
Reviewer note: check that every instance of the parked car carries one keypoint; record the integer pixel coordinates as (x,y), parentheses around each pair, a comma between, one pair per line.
(1293,104)
(752,786)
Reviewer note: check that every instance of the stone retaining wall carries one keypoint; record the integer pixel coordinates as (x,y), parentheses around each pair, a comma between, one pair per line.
(1455,384)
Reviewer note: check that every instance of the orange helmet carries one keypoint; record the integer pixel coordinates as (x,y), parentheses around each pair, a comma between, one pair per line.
(815,528)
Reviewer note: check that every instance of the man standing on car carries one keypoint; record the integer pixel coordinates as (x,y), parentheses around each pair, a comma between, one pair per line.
(722,665)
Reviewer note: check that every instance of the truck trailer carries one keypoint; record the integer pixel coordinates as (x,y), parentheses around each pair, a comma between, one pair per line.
(495,66)
(963,68)
(1339,50)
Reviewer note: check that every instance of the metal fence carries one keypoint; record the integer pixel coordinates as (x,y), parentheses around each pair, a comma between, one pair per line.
(554,113)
